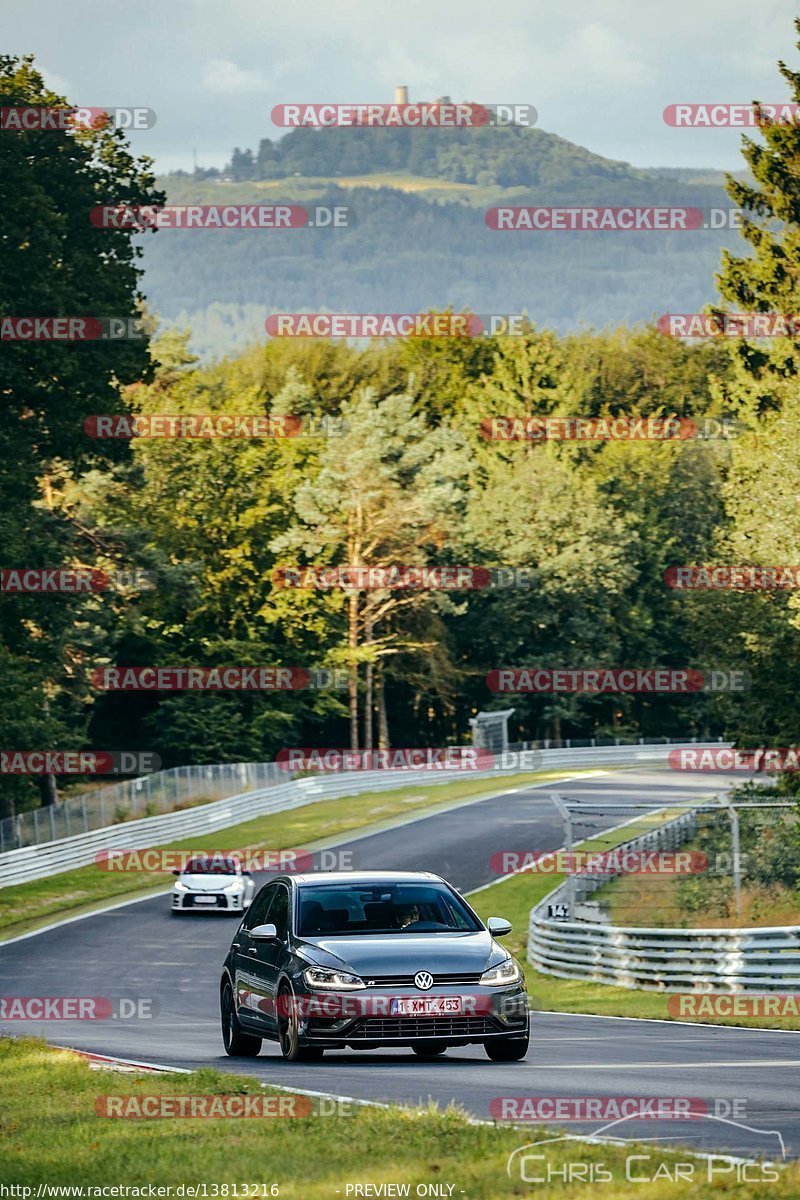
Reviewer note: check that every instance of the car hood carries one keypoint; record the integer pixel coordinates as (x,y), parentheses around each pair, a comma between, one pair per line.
(405,953)
(208,883)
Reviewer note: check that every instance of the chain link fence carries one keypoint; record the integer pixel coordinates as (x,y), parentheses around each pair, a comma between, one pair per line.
(147,796)
(722,864)
(184,787)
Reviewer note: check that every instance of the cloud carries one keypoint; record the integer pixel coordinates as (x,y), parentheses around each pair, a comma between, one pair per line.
(56,83)
(609,56)
(225,78)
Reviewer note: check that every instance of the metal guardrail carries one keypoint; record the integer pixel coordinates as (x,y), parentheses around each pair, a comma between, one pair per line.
(36,862)
(174,789)
(699,960)
(147,796)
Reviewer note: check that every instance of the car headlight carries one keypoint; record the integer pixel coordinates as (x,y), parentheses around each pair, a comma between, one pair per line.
(321,977)
(505,972)
(236,886)
(180,887)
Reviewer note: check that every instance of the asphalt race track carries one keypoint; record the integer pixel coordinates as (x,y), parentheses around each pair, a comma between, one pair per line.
(139,951)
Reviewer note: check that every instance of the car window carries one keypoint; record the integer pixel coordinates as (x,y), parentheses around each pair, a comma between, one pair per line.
(257,913)
(278,912)
(211,865)
(384,908)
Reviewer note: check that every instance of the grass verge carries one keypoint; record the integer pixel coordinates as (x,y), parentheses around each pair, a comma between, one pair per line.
(53,1135)
(515,896)
(26,906)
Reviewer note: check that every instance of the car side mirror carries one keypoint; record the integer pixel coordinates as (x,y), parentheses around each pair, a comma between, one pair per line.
(498,926)
(264,933)
(176,872)
(249,874)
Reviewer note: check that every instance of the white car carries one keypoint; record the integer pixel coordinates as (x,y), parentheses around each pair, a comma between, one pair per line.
(211,883)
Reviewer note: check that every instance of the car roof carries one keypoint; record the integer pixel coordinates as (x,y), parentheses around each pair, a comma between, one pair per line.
(227,859)
(362,878)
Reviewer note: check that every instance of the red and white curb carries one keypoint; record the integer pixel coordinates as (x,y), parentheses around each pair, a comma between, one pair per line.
(105,1062)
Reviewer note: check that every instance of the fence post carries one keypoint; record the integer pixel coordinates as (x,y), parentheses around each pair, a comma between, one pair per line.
(737,867)
(566,817)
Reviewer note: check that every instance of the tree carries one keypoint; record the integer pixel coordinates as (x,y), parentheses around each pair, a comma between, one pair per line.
(56,263)
(759,630)
(386,494)
(767,279)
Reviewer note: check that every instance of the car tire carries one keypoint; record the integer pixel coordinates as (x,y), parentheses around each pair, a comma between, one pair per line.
(507,1049)
(289,1033)
(237,1043)
(429,1050)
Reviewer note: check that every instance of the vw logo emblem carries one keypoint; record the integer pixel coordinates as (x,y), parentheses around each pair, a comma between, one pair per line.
(423,980)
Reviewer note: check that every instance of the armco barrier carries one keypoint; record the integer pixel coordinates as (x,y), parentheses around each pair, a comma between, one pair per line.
(669,960)
(49,858)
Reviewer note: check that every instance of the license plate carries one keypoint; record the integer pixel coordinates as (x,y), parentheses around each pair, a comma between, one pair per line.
(426,1006)
(205,900)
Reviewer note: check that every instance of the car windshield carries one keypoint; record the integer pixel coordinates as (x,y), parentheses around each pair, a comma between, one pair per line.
(396,908)
(210,866)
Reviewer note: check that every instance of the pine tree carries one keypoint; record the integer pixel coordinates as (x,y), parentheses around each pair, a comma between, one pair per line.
(768,279)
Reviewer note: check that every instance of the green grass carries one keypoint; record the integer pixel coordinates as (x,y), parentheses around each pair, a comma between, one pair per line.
(28,905)
(654,901)
(302,189)
(515,897)
(51,1134)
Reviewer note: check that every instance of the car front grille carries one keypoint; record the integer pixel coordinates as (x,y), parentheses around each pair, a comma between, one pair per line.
(190,900)
(459,979)
(376,1029)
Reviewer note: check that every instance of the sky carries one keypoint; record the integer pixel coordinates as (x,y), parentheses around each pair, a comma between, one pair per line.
(599,72)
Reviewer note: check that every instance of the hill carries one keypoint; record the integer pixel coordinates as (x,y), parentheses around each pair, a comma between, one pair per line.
(419,239)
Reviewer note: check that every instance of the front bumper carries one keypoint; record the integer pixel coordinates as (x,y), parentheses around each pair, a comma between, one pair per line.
(365,1019)
(187,902)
